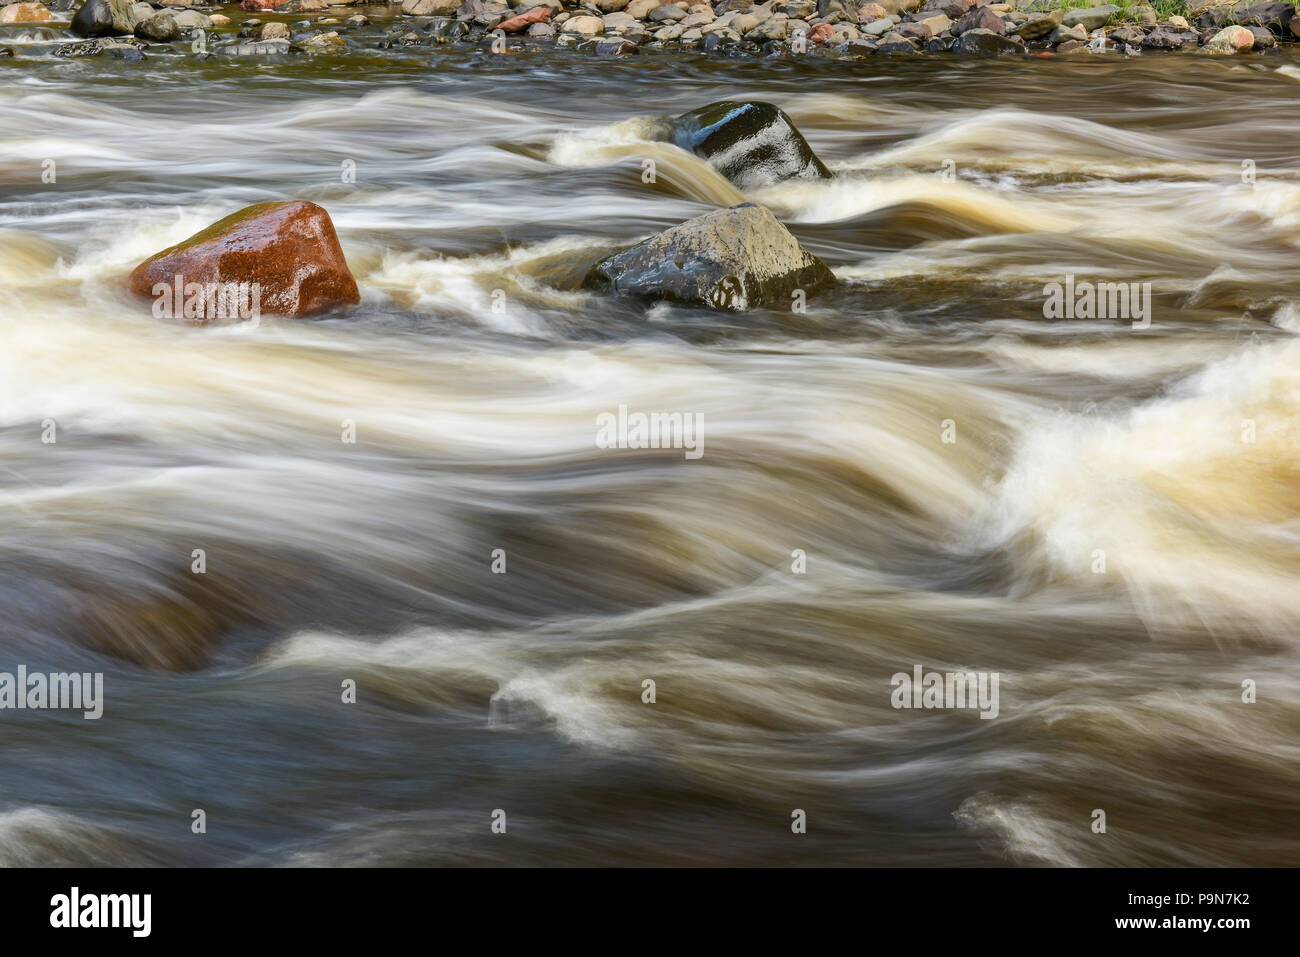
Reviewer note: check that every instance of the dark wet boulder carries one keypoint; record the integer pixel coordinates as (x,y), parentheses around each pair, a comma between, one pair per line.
(986,43)
(104,18)
(729,259)
(160,28)
(123,51)
(1090,18)
(752,144)
(1275,17)
(290,250)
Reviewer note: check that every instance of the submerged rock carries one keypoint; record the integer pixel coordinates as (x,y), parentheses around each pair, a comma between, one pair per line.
(729,259)
(289,249)
(259,48)
(120,49)
(329,42)
(752,144)
(614,46)
(104,18)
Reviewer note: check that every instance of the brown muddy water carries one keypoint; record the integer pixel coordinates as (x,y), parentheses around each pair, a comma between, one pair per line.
(1107,517)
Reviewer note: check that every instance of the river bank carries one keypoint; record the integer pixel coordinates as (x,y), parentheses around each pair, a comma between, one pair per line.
(127,31)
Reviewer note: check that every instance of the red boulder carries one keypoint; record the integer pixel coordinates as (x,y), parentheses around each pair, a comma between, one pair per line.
(289,250)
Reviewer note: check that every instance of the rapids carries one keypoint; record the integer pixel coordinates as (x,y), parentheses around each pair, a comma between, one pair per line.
(963,188)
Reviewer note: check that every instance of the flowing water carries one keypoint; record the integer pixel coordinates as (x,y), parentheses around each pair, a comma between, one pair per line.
(951,463)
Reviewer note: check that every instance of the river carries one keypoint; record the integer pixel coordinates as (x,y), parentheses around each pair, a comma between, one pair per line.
(919,469)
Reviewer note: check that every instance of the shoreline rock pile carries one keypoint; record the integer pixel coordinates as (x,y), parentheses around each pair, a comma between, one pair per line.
(840,28)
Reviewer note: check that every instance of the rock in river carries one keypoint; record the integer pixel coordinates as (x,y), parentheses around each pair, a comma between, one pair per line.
(986,43)
(1039,27)
(159,28)
(1229,40)
(729,259)
(103,18)
(289,249)
(752,144)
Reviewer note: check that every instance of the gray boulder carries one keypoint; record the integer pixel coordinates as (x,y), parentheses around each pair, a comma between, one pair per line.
(104,18)
(728,259)
(160,28)
(752,144)
(1092,18)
